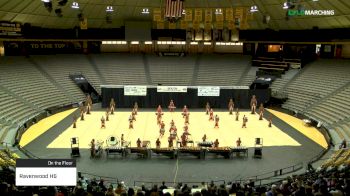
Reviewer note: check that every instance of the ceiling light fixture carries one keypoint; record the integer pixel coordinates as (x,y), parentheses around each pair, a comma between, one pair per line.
(145,11)
(109,9)
(254,8)
(218,11)
(75,5)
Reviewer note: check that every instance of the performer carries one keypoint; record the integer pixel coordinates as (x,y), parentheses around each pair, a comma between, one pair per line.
(103,122)
(92,148)
(82,115)
(261,111)
(133,115)
(253,103)
(162,129)
(216,143)
(88,108)
(186,128)
(107,114)
(204,138)
(207,108)
(75,121)
(270,121)
(171,106)
(183,140)
(187,118)
(112,105)
(158,143)
(159,118)
(136,108)
(138,142)
(211,114)
(172,123)
(184,111)
(245,120)
(237,114)
(170,142)
(159,110)
(231,106)
(343,144)
(216,121)
(173,132)
(122,141)
(238,142)
(131,122)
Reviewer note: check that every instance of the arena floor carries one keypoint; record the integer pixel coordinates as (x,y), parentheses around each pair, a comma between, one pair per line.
(288,142)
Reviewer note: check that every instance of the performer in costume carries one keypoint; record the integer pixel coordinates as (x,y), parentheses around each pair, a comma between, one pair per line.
(186,128)
(261,111)
(138,143)
(112,105)
(159,110)
(204,138)
(171,106)
(238,142)
(216,121)
(75,121)
(183,140)
(131,122)
(107,114)
(216,143)
(187,118)
(133,114)
(172,123)
(184,111)
(89,104)
(270,121)
(211,114)
(207,108)
(92,148)
(136,108)
(162,129)
(170,142)
(158,143)
(122,141)
(82,115)
(245,120)
(237,114)
(88,108)
(253,103)
(103,122)
(231,106)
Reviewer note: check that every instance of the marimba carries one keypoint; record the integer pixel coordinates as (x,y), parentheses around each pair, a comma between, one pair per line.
(240,150)
(226,152)
(205,144)
(169,152)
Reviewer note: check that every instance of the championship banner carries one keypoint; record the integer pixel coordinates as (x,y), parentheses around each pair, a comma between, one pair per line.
(171,25)
(229,14)
(230,25)
(188,15)
(208,91)
(208,25)
(219,17)
(173,8)
(135,90)
(198,15)
(219,24)
(172,89)
(239,13)
(208,15)
(160,25)
(196,24)
(83,24)
(157,14)
(183,24)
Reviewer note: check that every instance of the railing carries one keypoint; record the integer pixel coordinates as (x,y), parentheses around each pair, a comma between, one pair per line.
(140,182)
(107,179)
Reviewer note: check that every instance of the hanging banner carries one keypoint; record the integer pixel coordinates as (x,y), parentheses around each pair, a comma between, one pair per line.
(208,91)
(83,24)
(230,25)
(219,17)
(157,14)
(229,14)
(196,24)
(208,25)
(188,15)
(183,24)
(135,90)
(208,15)
(198,14)
(219,24)
(172,25)
(160,25)
(172,89)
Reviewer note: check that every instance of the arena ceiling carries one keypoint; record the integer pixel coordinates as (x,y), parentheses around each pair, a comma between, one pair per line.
(34,12)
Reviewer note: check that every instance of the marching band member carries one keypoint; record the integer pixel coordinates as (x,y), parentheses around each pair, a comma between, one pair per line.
(92,148)
(184,111)
(133,114)
(122,141)
(187,118)
(162,129)
(253,103)
(183,140)
(238,142)
(261,111)
(158,143)
(136,108)
(211,114)
(103,122)
(159,118)
(88,108)
(216,121)
(270,121)
(245,120)
(207,108)
(159,110)
(107,114)
(74,121)
(82,115)
(216,143)
(186,128)
(131,121)
(138,143)
(171,106)
(230,106)
(237,114)
(112,105)
(172,123)
(170,142)
(204,138)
